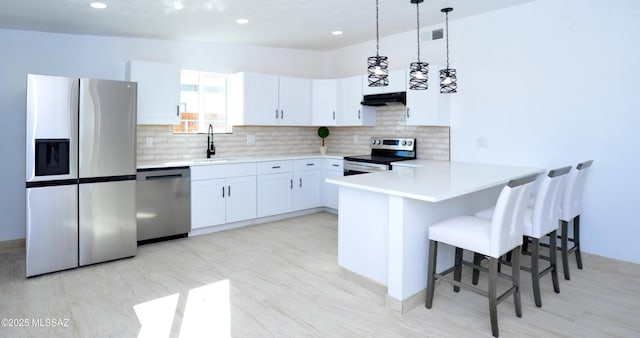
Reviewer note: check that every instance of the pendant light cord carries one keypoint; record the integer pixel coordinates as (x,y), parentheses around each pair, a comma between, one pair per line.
(418,20)
(447,28)
(377,31)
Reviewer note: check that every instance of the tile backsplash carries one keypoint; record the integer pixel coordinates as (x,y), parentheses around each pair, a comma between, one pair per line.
(158,142)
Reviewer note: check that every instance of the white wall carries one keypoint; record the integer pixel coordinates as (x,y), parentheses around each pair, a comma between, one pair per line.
(549,83)
(105,57)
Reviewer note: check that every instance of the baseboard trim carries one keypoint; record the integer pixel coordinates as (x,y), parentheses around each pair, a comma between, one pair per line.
(393,304)
(13,245)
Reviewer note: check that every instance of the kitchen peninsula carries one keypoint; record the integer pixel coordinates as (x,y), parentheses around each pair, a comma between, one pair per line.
(384,219)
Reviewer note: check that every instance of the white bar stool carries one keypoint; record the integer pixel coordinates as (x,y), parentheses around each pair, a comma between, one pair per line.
(571,208)
(492,238)
(541,221)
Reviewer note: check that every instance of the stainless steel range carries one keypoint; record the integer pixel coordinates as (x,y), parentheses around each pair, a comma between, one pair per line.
(384,151)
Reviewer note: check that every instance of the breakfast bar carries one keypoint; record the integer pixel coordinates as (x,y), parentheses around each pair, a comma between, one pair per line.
(384,219)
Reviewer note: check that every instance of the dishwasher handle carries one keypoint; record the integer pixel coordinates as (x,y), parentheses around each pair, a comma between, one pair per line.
(163,177)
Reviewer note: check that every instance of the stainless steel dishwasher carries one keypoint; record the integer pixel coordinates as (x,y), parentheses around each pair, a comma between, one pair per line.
(163,198)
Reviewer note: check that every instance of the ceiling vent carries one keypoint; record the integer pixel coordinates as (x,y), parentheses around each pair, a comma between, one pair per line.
(437,34)
(434,35)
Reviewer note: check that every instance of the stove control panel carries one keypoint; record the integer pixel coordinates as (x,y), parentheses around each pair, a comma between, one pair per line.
(407,144)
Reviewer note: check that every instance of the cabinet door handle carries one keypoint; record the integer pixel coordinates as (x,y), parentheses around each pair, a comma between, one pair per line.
(334,114)
(335,165)
(222,191)
(310,164)
(358,114)
(275,167)
(276,114)
(282,114)
(300,182)
(178,110)
(291,184)
(229,191)
(408,113)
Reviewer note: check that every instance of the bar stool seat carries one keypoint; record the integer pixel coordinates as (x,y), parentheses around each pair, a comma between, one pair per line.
(491,237)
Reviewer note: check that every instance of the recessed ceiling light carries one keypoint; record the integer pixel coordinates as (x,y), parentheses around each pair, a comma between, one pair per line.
(98,5)
(336,32)
(242,21)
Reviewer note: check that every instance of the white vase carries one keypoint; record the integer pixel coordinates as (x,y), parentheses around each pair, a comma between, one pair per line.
(323,150)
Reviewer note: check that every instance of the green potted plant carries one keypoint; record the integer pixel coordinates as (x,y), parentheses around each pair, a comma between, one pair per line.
(323,132)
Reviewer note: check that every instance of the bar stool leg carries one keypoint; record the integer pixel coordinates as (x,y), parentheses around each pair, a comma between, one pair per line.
(564,247)
(553,257)
(431,269)
(535,270)
(457,274)
(576,240)
(477,259)
(493,301)
(515,275)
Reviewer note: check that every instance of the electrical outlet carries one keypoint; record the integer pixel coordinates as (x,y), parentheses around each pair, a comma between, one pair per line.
(251,139)
(148,142)
(482,142)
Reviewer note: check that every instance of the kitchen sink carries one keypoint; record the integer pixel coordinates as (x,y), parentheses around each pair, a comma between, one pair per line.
(214,160)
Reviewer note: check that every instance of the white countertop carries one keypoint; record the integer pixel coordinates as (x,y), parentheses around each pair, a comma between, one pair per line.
(434,181)
(229,160)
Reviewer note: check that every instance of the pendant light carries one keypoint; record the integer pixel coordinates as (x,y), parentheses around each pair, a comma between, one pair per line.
(418,71)
(448,79)
(378,66)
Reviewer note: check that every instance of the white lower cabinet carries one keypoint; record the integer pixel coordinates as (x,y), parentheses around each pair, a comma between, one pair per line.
(220,195)
(275,187)
(307,184)
(332,168)
(275,194)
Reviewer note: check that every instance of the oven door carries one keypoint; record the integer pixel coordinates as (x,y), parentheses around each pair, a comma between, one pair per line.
(357,168)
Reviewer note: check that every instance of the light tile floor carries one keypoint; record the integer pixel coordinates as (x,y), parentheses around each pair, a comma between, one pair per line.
(281,279)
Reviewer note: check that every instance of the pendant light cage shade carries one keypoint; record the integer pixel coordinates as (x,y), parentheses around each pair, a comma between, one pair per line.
(378,69)
(418,71)
(448,78)
(419,76)
(448,81)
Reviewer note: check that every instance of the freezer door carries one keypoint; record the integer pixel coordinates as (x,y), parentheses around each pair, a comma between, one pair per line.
(107,221)
(107,126)
(52,119)
(52,229)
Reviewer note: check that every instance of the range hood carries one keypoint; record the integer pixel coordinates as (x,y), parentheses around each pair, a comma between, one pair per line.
(385,99)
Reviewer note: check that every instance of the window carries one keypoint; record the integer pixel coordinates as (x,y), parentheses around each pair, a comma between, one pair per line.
(203,101)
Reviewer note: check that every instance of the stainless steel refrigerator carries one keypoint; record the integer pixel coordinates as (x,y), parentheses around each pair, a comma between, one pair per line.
(80,172)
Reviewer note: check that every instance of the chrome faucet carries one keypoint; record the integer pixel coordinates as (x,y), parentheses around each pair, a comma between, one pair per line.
(211,148)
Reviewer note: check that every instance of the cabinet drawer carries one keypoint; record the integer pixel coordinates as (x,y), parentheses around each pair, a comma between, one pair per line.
(334,164)
(307,164)
(272,167)
(206,172)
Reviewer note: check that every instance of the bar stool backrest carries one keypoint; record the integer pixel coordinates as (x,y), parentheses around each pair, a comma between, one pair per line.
(572,199)
(508,217)
(546,210)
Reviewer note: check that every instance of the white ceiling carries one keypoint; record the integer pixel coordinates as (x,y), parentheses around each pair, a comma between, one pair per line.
(303,24)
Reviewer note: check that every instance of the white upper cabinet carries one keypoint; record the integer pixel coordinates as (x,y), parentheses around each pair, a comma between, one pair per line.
(397,83)
(428,107)
(158,91)
(262,99)
(295,101)
(253,99)
(323,102)
(349,110)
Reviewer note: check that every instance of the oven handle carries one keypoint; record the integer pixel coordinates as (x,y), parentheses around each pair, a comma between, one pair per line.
(364,167)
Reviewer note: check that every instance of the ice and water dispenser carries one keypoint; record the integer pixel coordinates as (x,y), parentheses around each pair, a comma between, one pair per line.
(52,157)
